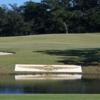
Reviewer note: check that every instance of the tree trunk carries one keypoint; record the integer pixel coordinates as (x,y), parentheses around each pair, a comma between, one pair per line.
(66,28)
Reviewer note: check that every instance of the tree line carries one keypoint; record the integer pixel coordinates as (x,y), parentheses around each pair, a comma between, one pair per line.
(50,16)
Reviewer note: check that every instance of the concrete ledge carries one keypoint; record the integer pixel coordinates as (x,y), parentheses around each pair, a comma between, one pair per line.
(48,68)
(5,53)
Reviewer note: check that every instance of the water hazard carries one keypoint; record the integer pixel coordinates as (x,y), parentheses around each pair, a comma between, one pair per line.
(9,85)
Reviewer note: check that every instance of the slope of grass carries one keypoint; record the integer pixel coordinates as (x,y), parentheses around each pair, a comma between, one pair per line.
(26,48)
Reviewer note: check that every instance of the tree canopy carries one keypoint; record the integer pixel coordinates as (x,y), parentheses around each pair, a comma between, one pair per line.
(50,16)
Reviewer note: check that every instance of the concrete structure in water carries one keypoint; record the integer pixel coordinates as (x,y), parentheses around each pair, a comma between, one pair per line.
(52,72)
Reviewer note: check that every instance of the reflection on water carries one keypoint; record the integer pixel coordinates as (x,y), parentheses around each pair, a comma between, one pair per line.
(49,77)
(8,85)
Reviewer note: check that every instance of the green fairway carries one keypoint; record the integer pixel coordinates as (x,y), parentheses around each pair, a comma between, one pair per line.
(51,97)
(47,49)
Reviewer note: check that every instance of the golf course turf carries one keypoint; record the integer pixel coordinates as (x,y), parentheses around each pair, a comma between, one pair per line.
(51,97)
(81,49)
(51,49)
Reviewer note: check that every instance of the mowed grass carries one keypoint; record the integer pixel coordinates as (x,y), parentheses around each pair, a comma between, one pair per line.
(51,97)
(28,48)
(27,51)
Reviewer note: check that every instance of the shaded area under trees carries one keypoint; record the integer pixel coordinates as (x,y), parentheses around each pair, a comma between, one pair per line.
(79,56)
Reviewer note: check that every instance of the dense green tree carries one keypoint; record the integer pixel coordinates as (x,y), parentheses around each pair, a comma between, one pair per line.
(35,15)
(50,16)
(93,18)
(86,4)
(2,19)
(12,24)
(59,11)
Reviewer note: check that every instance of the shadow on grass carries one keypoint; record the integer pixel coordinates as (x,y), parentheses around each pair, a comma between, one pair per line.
(79,56)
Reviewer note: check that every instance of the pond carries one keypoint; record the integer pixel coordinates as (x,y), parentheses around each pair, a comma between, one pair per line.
(9,85)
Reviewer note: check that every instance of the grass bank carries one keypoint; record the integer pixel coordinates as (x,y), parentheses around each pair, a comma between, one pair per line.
(51,97)
(81,49)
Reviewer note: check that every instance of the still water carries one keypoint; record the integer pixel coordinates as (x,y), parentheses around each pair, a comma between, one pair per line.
(9,85)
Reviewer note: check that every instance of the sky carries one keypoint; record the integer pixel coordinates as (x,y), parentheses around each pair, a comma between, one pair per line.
(19,2)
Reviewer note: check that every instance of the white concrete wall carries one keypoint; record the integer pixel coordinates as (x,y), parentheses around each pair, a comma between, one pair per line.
(5,53)
(48,68)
